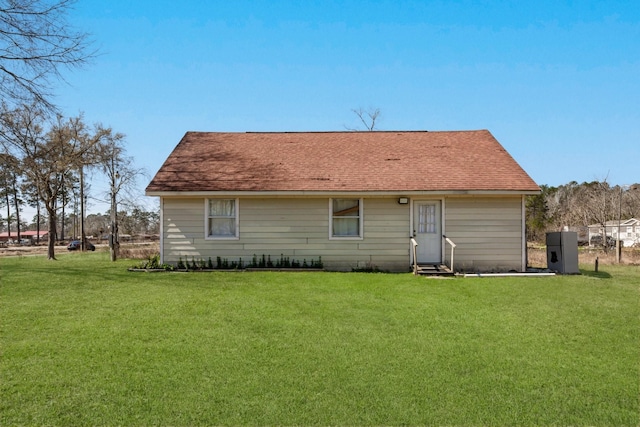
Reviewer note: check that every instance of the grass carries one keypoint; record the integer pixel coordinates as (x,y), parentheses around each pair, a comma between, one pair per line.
(84,342)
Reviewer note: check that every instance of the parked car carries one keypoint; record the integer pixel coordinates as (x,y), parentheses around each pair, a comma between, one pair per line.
(597,241)
(75,245)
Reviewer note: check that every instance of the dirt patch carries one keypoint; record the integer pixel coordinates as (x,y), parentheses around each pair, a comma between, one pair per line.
(15,250)
(139,250)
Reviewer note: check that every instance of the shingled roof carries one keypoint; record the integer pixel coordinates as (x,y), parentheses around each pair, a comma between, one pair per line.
(340,162)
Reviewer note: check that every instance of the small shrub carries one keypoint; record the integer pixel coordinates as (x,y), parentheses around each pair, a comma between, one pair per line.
(369,268)
(153,263)
(262,261)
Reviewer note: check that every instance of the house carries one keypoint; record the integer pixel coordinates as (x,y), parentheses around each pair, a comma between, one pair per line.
(32,236)
(627,229)
(353,198)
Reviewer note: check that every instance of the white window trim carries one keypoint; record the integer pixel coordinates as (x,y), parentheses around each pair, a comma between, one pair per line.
(360,215)
(206,220)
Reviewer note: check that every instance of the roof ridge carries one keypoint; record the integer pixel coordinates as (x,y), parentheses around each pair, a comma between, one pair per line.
(342,131)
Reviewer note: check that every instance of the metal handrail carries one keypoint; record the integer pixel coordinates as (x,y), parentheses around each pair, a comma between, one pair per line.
(414,245)
(453,246)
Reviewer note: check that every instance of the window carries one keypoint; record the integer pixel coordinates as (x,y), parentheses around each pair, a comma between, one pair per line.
(222,219)
(346,218)
(427,219)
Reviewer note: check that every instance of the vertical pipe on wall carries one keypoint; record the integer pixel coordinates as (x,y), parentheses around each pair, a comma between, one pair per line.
(524,233)
(161,230)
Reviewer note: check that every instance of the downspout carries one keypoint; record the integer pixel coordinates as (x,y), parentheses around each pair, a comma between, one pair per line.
(83,235)
(525,255)
(411,236)
(161,230)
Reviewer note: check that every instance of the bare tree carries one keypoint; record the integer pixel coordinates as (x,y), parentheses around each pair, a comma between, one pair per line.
(46,157)
(598,204)
(122,174)
(36,43)
(83,136)
(368,117)
(631,201)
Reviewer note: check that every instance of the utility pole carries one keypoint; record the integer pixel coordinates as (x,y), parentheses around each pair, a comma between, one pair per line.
(83,236)
(113,237)
(618,242)
(38,222)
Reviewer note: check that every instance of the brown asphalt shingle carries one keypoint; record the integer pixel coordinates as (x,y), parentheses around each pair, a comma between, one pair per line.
(340,161)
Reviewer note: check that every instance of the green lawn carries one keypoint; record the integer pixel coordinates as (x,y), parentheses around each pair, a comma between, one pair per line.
(84,342)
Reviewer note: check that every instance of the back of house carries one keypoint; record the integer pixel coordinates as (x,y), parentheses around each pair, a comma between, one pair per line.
(352,199)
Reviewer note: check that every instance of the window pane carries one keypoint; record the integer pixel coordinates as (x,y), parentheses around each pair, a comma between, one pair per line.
(427,219)
(222,226)
(221,207)
(346,227)
(346,207)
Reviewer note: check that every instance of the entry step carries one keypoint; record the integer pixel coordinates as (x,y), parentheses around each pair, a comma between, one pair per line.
(434,269)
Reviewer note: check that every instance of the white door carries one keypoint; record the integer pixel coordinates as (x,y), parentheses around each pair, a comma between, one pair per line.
(427,230)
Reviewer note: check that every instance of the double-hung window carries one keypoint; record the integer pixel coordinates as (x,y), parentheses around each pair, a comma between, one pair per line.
(345,218)
(222,219)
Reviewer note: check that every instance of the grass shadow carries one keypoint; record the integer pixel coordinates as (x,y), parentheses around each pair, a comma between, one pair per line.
(596,274)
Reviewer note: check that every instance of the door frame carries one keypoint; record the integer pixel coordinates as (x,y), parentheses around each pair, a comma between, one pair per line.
(442,223)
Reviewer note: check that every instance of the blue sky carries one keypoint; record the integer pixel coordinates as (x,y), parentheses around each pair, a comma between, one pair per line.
(556,82)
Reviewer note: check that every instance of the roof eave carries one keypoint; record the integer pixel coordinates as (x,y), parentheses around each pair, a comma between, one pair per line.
(309,193)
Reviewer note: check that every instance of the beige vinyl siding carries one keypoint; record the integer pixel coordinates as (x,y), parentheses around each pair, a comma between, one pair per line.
(487,231)
(294,227)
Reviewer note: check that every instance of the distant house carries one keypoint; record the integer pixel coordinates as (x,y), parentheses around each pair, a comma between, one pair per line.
(353,198)
(627,229)
(30,235)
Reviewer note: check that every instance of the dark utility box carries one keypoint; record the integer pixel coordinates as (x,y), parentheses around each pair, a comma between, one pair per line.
(562,252)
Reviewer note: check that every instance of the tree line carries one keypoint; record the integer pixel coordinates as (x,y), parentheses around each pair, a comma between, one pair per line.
(137,222)
(576,205)
(44,163)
